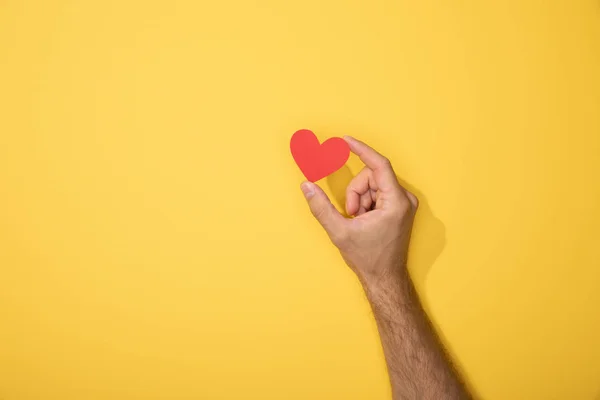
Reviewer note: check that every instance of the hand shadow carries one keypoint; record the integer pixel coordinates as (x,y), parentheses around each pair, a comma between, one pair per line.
(428,236)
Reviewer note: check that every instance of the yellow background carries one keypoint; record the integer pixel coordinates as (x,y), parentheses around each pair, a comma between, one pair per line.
(154,243)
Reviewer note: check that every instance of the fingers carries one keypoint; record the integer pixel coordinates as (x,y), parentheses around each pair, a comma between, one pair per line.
(366,203)
(382,169)
(359,185)
(414,201)
(322,209)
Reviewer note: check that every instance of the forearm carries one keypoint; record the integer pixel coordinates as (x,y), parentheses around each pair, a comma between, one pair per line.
(417,364)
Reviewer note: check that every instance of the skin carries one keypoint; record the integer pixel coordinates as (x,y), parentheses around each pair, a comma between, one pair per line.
(374,243)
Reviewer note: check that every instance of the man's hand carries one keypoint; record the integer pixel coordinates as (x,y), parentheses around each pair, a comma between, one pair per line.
(374,243)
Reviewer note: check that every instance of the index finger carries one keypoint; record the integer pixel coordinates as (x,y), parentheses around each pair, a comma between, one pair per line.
(380,165)
(370,157)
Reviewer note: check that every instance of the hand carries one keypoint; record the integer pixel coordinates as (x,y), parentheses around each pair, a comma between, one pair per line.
(374,243)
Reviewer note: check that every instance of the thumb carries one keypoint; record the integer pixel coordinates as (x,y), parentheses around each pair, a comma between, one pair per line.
(320,206)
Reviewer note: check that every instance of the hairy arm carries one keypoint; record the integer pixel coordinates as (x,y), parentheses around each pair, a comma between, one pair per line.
(417,364)
(374,243)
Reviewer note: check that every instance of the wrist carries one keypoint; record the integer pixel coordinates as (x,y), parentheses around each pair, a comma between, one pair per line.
(386,281)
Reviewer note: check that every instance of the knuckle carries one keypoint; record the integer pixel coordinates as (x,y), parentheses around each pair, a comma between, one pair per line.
(319,212)
(414,200)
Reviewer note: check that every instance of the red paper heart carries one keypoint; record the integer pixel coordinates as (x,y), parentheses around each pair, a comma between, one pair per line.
(315,160)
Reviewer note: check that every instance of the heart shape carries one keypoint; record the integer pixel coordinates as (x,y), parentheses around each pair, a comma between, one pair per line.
(316,160)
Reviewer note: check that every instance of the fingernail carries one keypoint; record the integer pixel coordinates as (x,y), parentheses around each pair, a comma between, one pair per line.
(308,189)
